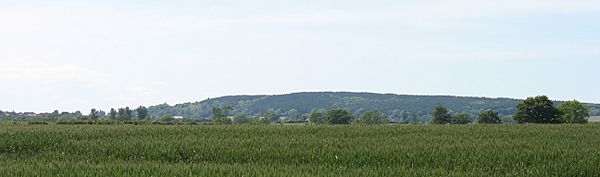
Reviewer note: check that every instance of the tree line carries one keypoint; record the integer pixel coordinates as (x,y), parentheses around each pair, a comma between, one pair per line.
(539,109)
(334,116)
(297,107)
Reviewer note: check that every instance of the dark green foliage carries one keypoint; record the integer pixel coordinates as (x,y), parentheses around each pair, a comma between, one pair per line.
(373,117)
(441,115)
(537,109)
(318,118)
(339,116)
(76,122)
(142,112)
(378,150)
(574,112)
(489,117)
(462,118)
(37,122)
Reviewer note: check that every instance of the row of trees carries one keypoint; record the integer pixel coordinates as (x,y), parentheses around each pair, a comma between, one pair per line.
(532,110)
(441,115)
(219,117)
(334,116)
(540,109)
(341,116)
(122,114)
(537,109)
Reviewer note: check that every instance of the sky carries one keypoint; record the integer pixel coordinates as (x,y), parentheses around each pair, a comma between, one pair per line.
(73,55)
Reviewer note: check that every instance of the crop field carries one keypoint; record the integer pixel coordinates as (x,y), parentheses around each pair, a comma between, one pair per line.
(594,119)
(382,150)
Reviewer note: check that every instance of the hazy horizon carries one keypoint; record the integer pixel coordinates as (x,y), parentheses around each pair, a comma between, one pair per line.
(277,94)
(76,55)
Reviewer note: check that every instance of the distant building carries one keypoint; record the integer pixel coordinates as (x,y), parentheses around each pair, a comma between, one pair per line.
(177,117)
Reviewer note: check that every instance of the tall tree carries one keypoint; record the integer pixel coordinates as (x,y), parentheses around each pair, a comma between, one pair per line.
(537,109)
(489,117)
(128,113)
(121,114)
(272,115)
(317,118)
(219,116)
(574,112)
(339,116)
(93,114)
(441,115)
(142,112)
(124,114)
(113,114)
(372,117)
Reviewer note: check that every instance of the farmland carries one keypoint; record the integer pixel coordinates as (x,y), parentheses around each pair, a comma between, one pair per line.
(270,150)
(594,119)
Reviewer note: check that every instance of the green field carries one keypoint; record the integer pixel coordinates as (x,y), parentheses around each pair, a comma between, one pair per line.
(594,119)
(385,150)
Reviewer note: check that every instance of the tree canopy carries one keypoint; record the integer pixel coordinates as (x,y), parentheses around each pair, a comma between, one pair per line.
(573,112)
(537,109)
(219,115)
(142,112)
(489,117)
(318,118)
(441,115)
(462,118)
(241,118)
(339,116)
(373,117)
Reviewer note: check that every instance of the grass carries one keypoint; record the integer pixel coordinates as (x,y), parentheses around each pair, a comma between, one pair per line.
(385,150)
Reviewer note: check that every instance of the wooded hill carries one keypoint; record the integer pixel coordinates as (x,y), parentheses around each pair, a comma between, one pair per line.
(411,108)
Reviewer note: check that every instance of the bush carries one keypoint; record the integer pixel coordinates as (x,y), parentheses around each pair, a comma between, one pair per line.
(105,122)
(37,122)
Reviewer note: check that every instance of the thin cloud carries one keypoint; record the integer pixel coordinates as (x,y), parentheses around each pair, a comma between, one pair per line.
(46,72)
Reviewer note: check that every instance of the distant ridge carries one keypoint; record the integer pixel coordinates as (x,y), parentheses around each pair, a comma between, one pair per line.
(395,105)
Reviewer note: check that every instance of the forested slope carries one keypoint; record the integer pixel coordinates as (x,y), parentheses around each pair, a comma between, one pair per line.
(400,107)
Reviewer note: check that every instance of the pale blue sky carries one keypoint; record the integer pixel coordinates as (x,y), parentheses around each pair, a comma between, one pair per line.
(75,54)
